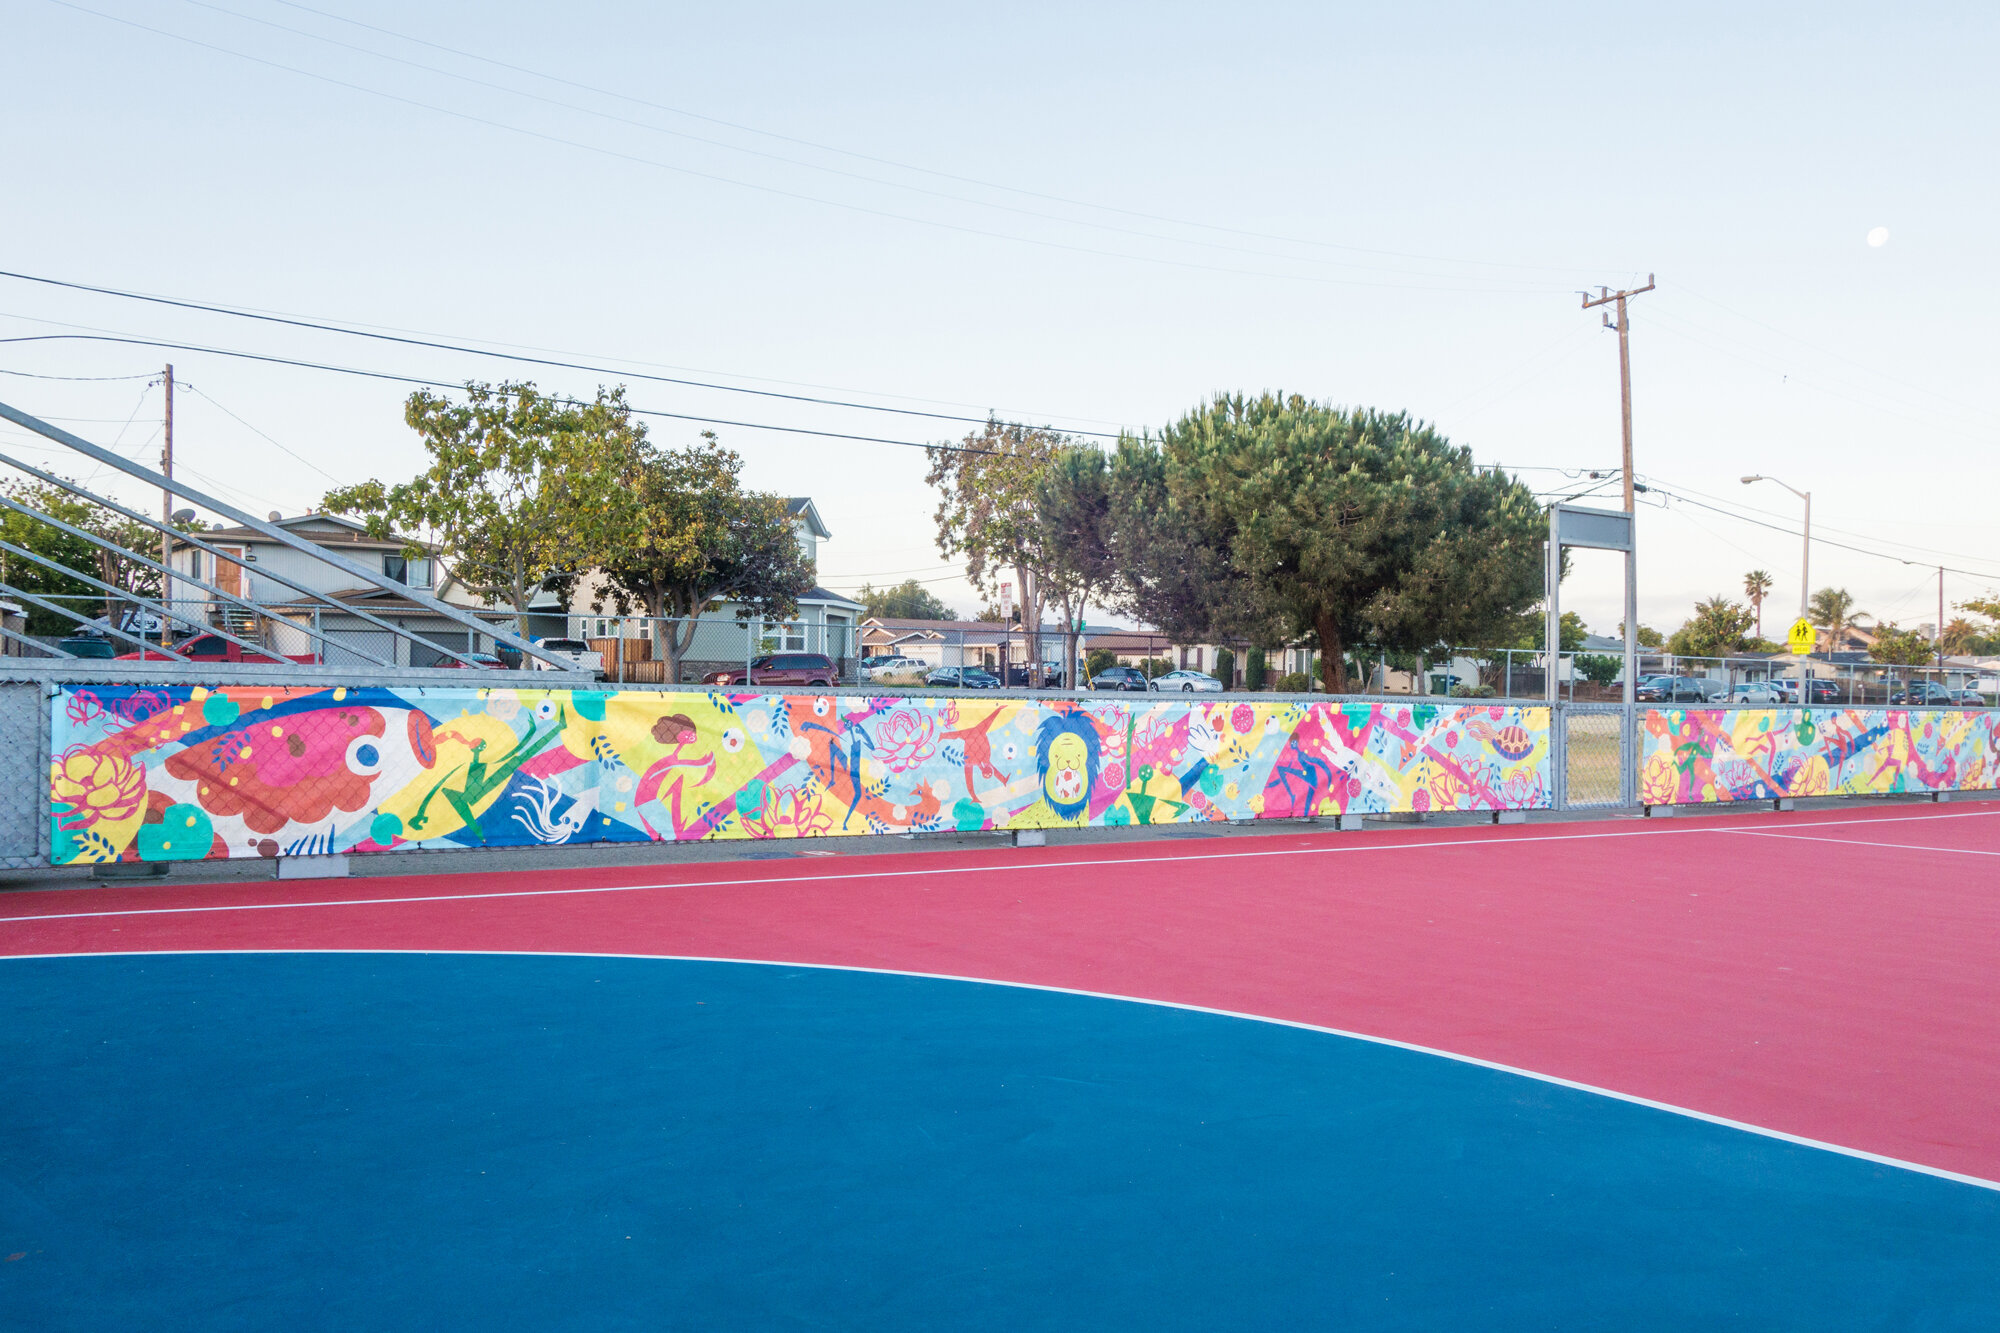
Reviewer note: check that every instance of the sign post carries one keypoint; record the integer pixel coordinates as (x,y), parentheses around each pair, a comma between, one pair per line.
(1802,638)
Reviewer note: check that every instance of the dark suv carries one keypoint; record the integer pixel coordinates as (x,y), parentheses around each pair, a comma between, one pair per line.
(1922,694)
(781,669)
(1119,678)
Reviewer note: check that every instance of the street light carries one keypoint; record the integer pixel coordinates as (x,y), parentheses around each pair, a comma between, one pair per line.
(1805,564)
(1805,575)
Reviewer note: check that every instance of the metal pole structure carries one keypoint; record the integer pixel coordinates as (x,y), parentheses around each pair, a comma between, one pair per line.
(167,495)
(1805,571)
(1605,296)
(1939,640)
(1552,602)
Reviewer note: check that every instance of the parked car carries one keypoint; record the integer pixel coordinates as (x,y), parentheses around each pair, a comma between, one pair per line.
(477,662)
(963,678)
(1187,682)
(1670,690)
(1821,692)
(1711,690)
(1119,678)
(1920,694)
(1967,699)
(1757,692)
(781,669)
(875,668)
(88,645)
(215,648)
(1049,678)
(576,652)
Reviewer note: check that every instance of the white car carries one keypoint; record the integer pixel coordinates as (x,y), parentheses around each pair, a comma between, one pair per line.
(1187,682)
(574,651)
(880,668)
(1756,692)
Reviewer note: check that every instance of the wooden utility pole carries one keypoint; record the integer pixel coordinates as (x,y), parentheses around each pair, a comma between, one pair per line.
(1605,296)
(167,498)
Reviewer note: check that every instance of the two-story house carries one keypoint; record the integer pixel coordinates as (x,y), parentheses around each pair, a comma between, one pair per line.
(259,563)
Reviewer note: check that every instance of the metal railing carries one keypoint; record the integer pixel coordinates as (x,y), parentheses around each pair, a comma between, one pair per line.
(304,598)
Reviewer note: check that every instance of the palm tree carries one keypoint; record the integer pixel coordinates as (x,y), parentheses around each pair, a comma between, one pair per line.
(1959,637)
(1832,609)
(1755,585)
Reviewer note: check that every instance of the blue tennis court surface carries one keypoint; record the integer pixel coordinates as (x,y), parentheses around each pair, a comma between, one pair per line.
(423,1141)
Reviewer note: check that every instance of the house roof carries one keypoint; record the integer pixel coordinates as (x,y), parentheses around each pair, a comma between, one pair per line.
(801,506)
(824,597)
(331,530)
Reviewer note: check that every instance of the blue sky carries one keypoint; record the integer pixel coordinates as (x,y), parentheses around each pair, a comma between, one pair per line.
(1091,216)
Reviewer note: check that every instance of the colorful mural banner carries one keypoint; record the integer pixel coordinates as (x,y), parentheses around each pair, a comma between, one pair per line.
(190,773)
(1698,755)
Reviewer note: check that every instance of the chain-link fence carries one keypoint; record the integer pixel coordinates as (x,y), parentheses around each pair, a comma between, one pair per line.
(1594,750)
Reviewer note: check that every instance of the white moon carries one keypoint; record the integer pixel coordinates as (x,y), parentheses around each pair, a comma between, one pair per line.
(1878,237)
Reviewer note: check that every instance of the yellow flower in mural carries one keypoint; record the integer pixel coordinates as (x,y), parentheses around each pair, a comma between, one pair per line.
(106,796)
(1659,780)
(1813,778)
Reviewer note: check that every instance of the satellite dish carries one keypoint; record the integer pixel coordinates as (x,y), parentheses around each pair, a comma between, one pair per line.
(274,516)
(184,516)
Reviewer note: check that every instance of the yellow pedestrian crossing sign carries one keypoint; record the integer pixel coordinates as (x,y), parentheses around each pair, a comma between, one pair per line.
(1803,637)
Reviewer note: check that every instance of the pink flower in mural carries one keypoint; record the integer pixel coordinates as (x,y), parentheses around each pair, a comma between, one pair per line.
(140,705)
(1420,799)
(97,787)
(82,707)
(1243,717)
(905,739)
(1113,777)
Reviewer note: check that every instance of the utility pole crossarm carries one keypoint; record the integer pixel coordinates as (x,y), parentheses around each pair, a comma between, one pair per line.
(1605,296)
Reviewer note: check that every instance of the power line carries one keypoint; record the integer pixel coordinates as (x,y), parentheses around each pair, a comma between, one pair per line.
(75,379)
(1819,541)
(443,383)
(433,345)
(648,126)
(247,426)
(890,162)
(641,160)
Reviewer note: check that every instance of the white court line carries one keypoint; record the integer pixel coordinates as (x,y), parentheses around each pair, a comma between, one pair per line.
(1857,842)
(990,868)
(1670,1108)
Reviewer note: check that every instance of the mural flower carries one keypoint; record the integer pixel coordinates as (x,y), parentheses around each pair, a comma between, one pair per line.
(906,738)
(97,787)
(1243,717)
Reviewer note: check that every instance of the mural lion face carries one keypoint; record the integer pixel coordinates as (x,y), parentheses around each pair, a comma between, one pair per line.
(1065,783)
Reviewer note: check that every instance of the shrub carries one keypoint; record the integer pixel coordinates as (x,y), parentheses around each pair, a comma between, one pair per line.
(1253,670)
(1225,668)
(1599,668)
(1296,683)
(1472,692)
(1099,660)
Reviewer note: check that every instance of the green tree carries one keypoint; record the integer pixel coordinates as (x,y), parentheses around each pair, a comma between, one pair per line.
(132,579)
(1901,647)
(1253,670)
(1757,585)
(519,485)
(1099,660)
(1960,636)
(1832,609)
(908,600)
(682,535)
(1277,518)
(1225,667)
(1717,629)
(989,492)
(1599,668)
(1075,509)
(1988,606)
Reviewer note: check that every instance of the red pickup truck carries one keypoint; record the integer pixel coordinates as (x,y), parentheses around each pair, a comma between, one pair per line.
(215,648)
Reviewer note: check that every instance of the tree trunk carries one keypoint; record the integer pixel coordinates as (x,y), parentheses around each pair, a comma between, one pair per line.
(1332,658)
(1031,624)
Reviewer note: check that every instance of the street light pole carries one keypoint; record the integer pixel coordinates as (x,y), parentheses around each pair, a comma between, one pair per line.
(1805,562)
(1805,570)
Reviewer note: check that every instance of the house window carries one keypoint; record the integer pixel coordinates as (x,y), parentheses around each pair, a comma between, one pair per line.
(411,573)
(795,636)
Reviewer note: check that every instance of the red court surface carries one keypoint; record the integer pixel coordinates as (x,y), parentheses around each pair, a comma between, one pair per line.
(1832,975)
